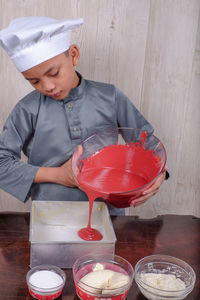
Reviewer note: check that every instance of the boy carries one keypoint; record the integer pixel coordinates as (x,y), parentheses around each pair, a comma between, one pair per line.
(50,122)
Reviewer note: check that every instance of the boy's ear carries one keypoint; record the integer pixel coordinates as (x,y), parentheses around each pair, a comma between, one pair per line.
(74,54)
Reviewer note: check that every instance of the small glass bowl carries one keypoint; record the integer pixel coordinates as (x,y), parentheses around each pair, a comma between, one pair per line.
(164,264)
(45,293)
(86,264)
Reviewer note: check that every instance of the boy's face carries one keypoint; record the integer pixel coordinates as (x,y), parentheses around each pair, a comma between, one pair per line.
(56,76)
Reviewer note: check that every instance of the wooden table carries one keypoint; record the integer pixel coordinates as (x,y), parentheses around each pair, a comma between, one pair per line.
(171,234)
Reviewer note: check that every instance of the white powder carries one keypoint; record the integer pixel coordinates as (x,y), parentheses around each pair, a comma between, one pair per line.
(167,285)
(167,282)
(45,279)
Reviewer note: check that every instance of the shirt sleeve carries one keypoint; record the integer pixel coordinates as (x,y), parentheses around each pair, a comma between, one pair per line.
(16,176)
(128,115)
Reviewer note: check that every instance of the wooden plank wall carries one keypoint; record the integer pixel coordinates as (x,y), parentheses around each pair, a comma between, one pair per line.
(150,49)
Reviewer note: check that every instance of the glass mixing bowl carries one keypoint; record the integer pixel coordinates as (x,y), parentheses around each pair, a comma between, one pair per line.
(87,264)
(164,264)
(141,154)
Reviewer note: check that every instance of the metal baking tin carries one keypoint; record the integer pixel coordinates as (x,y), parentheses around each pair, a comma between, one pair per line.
(54,227)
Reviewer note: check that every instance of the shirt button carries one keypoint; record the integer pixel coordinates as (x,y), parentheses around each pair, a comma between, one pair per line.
(69,106)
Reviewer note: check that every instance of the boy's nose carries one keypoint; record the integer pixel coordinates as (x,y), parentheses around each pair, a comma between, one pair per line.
(48,86)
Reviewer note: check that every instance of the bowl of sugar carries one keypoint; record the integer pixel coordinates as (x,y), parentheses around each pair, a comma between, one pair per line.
(45,282)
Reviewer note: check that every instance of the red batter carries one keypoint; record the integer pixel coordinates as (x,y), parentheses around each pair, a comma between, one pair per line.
(114,172)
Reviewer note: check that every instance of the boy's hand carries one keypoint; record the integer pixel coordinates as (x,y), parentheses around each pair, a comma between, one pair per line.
(61,175)
(151,191)
(65,175)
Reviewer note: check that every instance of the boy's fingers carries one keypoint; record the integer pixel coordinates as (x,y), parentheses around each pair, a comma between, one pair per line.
(156,185)
(142,199)
(75,158)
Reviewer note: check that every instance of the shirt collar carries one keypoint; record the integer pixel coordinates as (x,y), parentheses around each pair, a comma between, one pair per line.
(76,92)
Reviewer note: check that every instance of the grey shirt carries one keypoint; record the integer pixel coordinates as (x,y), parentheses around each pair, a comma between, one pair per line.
(48,131)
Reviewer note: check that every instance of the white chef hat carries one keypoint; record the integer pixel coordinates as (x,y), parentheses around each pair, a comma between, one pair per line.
(30,41)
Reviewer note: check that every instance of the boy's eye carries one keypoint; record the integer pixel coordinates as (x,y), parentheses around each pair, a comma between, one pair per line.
(55,74)
(35,82)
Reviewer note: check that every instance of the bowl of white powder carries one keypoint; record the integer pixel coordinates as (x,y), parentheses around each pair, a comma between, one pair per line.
(45,282)
(99,276)
(164,277)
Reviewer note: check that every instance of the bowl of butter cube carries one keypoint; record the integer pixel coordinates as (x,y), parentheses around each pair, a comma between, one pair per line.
(99,276)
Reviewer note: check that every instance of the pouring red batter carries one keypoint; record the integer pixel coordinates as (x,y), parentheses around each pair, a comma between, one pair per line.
(117,172)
